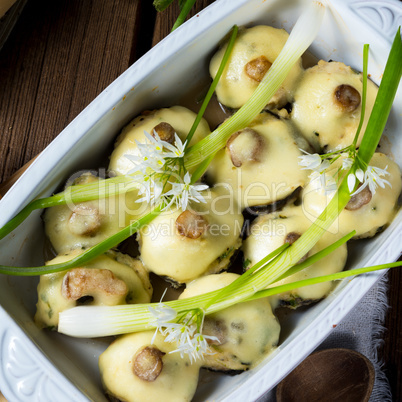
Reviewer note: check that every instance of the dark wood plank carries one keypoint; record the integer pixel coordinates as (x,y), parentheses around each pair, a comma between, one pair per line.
(392,348)
(60,56)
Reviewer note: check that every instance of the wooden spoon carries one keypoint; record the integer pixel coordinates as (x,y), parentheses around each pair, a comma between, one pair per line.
(329,375)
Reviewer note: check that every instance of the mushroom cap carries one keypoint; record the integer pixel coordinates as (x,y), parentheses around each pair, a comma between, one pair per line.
(372,216)
(165,251)
(236,86)
(179,117)
(268,232)
(317,112)
(115,267)
(86,224)
(273,176)
(177,381)
(247,331)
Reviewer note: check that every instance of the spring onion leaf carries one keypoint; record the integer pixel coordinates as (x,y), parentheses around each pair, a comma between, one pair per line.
(161,5)
(321,279)
(73,194)
(228,290)
(87,255)
(302,35)
(317,256)
(383,102)
(364,93)
(185,9)
(95,321)
(215,81)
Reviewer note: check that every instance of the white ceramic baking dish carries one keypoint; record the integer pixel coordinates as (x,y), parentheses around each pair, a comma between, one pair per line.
(44,366)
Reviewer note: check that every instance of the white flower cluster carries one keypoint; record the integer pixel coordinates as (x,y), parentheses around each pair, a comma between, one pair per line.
(373,177)
(184,333)
(318,165)
(156,165)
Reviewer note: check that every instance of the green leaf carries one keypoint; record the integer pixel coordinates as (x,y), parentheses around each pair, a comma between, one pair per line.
(383,102)
(161,5)
(215,81)
(364,93)
(73,194)
(185,9)
(87,255)
(299,40)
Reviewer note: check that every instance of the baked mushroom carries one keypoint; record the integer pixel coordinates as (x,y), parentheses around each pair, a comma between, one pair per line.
(260,163)
(164,122)
(246,332)
(253,53)
(183,245)
(268,232)
(327,105)
(366,213)
(85,224)
(133,368)
(111,279)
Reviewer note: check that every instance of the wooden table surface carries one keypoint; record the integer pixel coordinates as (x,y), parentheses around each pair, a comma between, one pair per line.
(62,54)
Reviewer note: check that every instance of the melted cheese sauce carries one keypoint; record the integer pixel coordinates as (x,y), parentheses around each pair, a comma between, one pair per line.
(176,382)
(317,114)
(179,117)
(83,225)
(250,329)
(371,217)
(167,253)
(235,87)
(274,176)
(268,232)
(131,271)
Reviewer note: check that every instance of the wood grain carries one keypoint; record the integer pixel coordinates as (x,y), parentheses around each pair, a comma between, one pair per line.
(62,54)
(68,52)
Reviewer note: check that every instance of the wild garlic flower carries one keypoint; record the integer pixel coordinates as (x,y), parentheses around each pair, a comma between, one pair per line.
(157,163)
(182,193)
(347,163)
(151,188)
(310,161)
(162,316)
(359,175)
(196,347)
(176,150)
(183,332)
(318,164)
(373,178)
(325,181)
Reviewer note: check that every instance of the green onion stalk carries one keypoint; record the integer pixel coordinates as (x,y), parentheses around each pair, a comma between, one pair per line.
(276,266)
(284,261)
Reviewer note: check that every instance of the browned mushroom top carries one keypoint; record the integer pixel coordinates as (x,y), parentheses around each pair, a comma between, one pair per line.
(80,282)
(257,68)
(191,225)
(347,97)
(291,237)
(245,146)
(84,220)
(165,132)
(215,328)
(358,200)
(148,363)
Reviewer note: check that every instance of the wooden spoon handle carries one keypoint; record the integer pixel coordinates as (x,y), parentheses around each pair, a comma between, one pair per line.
(6,185)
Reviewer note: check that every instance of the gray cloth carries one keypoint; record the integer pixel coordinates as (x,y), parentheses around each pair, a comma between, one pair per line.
(362,330)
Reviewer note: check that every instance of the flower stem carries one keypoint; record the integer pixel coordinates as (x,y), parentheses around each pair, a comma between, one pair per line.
(87,255)
(215,81)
